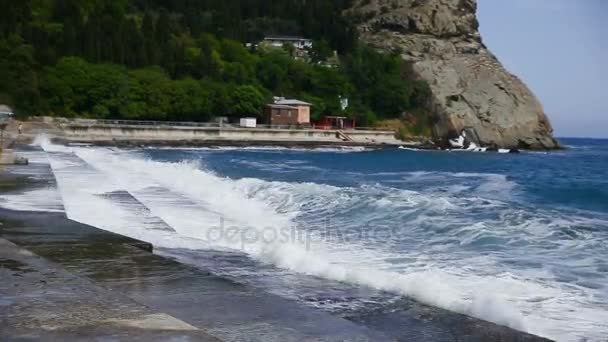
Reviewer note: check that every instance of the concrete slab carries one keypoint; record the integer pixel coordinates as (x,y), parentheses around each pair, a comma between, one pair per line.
(226,309)
(41,300)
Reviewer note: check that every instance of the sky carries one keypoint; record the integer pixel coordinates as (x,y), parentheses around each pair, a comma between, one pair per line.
(560,49)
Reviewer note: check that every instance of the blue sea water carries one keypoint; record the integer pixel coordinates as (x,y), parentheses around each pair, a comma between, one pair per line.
(537,221)
(576,177)
(517,239)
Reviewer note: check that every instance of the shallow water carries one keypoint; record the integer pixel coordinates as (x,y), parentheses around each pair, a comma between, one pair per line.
(520,240)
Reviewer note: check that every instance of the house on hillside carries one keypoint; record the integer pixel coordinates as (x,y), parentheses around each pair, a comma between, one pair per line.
(288,112)
(301,46)
(296,41)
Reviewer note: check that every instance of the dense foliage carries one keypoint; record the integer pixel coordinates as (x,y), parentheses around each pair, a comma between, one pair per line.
(186,60)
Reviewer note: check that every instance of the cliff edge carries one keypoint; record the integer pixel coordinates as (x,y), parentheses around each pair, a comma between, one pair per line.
(471,90)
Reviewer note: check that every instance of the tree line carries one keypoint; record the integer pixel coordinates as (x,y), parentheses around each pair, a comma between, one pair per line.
(186,60)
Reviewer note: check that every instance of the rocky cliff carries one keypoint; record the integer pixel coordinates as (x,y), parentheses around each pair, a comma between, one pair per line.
(471,90)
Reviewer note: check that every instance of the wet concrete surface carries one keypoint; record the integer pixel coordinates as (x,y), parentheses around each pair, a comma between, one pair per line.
(40,300)
(226,309)
(62,280)
(55,229)
(415,322)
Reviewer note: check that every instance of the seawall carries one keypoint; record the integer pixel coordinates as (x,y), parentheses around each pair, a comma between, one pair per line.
(100,133)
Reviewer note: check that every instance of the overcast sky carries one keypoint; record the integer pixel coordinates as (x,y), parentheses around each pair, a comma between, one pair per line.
(560,49)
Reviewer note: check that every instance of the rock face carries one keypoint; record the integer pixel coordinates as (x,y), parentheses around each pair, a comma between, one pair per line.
(471,90)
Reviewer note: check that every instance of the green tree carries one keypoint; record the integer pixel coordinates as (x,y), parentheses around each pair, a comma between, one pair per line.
(149,35)
(15,15)
(271,71)
(74,86)
(210,63)
(382,82)
(184,59)
(135,56)
(70,46)
(321,51)
(18,77)
(246,101)
(189,101)
(148,95)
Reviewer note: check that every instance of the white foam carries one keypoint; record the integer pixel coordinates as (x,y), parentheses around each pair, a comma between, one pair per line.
(41,199)
(41,139)
(334,149)
(410,149)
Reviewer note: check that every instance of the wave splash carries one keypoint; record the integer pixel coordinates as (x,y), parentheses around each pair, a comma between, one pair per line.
(194,202)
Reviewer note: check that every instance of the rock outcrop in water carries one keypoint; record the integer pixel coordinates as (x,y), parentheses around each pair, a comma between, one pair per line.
(471,90)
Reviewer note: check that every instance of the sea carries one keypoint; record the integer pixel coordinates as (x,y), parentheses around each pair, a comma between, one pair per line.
(516,239)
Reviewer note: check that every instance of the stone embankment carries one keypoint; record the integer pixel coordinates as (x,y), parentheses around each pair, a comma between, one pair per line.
(154,133)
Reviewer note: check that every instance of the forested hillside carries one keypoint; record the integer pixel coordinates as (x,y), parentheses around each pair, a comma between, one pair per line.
(186,60)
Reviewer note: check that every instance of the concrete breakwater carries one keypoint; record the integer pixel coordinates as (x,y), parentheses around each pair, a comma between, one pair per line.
(96,132)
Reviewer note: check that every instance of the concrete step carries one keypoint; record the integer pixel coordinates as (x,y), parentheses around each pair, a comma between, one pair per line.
(40,300)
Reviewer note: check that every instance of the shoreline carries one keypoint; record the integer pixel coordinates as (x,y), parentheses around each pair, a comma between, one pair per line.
(53,269)
(233,143)
(157,135)
(296,144)
(190,295)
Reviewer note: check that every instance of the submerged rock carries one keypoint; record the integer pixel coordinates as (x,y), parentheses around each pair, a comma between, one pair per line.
(471,89)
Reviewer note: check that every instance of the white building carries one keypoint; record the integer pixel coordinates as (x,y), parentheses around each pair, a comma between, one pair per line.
(299,43)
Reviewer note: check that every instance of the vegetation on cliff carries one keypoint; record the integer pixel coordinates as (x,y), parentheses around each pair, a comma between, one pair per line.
(186,60)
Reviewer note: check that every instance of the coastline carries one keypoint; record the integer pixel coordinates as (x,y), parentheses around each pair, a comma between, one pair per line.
(54,269)
(138,134)
(184,296)
(232,143)
(158,134)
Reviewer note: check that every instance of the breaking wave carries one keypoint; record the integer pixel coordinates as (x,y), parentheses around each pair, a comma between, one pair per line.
(316,229)
(333,149)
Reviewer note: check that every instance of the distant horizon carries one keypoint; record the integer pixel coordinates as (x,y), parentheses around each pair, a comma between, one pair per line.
(589,138)
(555,47)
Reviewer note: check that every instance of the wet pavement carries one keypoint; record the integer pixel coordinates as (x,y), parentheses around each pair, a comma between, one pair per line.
(62,280)
(224,308)
(40,300)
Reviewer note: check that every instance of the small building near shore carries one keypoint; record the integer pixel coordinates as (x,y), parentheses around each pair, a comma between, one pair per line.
(335,122)
(288,112)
